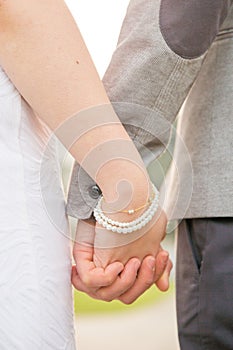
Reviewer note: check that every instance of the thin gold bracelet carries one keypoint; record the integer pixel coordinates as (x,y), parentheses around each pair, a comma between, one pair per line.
(132,211)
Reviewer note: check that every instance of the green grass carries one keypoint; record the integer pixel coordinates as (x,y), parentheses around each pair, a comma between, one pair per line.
(86,305)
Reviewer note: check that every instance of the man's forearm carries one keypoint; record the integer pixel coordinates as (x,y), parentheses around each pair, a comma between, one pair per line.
(147,81)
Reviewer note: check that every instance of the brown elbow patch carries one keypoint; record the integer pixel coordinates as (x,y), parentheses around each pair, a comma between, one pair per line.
(189,27)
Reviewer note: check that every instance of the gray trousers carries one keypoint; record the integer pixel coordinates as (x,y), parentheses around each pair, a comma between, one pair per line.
(205,284)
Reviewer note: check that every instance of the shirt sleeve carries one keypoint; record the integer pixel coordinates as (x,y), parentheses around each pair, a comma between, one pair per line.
(160,51)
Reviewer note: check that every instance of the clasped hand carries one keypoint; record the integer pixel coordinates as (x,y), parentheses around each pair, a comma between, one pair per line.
(106,269)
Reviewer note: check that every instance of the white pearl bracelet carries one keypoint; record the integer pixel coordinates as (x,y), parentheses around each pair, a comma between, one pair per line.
(131,226)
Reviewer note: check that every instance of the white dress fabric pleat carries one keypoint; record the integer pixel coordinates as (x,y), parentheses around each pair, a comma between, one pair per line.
(36,305)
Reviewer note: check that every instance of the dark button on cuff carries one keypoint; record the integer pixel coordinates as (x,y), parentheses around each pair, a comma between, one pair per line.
(94,191)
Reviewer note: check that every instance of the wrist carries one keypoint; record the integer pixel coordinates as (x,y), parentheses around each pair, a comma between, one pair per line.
(122,178)
(125,227)
(130,203)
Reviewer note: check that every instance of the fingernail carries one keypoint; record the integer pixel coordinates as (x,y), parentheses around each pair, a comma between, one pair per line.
(137,264)
(151,263)
(119,267)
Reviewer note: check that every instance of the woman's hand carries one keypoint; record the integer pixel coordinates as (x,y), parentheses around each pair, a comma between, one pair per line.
(110,247)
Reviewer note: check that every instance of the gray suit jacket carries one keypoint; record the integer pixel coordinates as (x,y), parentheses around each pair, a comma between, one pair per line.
(174,58)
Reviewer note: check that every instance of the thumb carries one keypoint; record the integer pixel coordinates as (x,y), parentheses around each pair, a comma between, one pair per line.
(163,282)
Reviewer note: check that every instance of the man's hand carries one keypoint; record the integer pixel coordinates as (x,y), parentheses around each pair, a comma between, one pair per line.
(116,281)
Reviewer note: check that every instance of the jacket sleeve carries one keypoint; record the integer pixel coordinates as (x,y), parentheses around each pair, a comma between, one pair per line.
(160,51)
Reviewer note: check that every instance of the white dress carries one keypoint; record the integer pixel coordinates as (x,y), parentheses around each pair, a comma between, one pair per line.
(36,306)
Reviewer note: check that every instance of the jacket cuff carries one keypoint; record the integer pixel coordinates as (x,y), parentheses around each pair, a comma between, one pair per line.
(83,194)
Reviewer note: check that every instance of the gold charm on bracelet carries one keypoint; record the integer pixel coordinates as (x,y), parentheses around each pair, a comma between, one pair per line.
(132,211)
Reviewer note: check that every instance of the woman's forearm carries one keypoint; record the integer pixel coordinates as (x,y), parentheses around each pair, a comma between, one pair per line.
(43,53)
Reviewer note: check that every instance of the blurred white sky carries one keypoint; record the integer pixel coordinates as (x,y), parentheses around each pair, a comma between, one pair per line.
(99,22)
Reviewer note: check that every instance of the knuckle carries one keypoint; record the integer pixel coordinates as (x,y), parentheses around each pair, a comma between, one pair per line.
(103,295)
(126,300)
(87,281)
(92,295)
(108,280)
(149,281)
